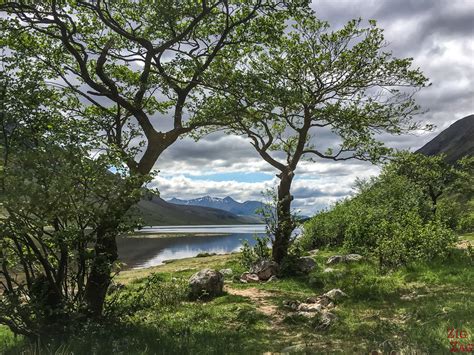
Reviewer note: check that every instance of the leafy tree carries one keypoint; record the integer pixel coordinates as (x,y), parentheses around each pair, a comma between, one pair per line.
(54,198)
(310,82)
(434,175)
(137,66)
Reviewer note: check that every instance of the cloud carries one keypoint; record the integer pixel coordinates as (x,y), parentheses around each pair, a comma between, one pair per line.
(438,34)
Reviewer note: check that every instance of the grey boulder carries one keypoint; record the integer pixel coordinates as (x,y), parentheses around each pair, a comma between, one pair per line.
(335,294)
(264,269)
(206,283)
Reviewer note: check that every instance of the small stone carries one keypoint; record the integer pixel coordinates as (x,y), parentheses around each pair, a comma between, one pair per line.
(335,294)
(326,320)
(291,304)
(313,252)
(225,272)
(247,277)
(352,257)
(310,307)
(335,259)
(114,287)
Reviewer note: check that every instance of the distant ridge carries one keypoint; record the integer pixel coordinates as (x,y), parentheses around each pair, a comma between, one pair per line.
(456,141)
(247,208)
(157,212)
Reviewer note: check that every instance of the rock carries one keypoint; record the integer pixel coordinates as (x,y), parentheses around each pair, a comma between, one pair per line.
(322,300)
(305,264)
(352,257)
(313,252)
(205,284)
(335,259)
(335,294)
(329,269)
(247,277)
(264,269)
(272,279)
(326,319)
(291,304)
(115,287)
(310,307)
(226,272)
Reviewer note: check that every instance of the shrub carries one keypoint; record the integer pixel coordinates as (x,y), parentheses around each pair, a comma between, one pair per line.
(152,292)
(392,218)
(326,228)
(413,241)
(252,254)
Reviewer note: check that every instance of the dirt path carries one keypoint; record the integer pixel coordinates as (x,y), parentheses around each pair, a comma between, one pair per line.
(260,299)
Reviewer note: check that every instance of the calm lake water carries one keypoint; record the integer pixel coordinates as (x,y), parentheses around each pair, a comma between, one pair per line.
(145,250)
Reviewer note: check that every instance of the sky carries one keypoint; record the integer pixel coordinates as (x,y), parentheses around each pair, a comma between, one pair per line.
(438,34)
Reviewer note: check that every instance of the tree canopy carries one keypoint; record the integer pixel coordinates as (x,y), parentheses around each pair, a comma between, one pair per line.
(313,82)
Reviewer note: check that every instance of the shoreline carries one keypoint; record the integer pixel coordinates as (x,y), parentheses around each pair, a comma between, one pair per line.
(158,235)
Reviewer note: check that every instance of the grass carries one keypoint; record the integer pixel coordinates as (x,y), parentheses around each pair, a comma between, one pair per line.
(408,310)
(7,339)
(469,237)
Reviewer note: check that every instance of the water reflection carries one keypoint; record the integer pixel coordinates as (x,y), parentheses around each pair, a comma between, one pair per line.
(146,251)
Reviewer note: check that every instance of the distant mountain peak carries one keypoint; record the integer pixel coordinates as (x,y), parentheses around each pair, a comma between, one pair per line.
(247,208)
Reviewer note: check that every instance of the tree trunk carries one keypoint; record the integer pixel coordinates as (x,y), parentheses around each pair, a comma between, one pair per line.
(100,277)
(285,223)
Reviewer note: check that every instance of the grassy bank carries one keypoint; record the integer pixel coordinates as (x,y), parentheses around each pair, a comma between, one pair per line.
(409,310)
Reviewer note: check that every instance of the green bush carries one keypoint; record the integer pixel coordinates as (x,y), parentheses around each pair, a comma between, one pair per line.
(392,218)
(412,241)
(326,228)
(152,292)
(252,254)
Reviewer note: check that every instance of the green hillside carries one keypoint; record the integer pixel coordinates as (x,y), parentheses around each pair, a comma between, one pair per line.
(158,212)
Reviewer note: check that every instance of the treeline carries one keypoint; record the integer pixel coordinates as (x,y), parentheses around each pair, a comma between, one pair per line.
(413,210)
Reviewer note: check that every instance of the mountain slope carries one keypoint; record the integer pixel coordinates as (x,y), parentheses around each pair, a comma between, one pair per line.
(156,212)
(456,141)
(247,208)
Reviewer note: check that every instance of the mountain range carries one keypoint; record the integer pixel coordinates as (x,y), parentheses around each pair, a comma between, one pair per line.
(456,141)
(247,208)
(157,212)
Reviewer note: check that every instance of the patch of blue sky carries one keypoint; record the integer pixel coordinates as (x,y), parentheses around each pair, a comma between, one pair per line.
(233,176)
